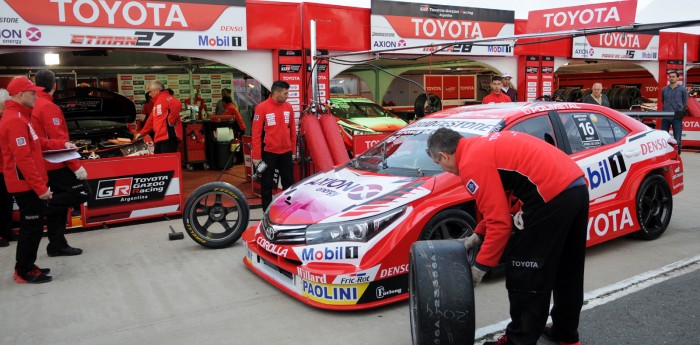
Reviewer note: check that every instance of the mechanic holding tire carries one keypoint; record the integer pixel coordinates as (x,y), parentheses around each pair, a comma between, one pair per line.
(67,179)
(548,254)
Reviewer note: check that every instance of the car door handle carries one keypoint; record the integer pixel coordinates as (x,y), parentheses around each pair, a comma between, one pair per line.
(632,153)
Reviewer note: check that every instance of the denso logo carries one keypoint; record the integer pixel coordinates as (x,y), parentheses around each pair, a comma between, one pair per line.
(614,220)
(608,169)
(393,271)
(653,146)
(425,27)
(113,188)
(332,253)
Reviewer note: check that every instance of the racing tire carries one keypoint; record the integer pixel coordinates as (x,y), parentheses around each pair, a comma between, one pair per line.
(441,292)
(451,223)
(421,104)
(654,207)
(216,214)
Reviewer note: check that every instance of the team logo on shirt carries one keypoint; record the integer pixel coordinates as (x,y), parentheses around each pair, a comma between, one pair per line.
(256,117)
(21,141)
(31,131)
(56,121)
(472,187)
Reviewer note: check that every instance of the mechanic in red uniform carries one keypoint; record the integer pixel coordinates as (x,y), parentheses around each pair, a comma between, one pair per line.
(497,95)
(25,175)
(146,110)
(164,119)
(230,109)
(6,233)
(274,139)
(67,179)
(548,253)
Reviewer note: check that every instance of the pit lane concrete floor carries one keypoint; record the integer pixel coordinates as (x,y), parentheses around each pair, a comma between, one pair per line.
(133,286)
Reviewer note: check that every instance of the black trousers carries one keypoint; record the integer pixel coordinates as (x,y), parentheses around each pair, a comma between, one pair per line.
(31,226)
(166,146)
(282,162)
(5,209)
(68,192)
(548,257)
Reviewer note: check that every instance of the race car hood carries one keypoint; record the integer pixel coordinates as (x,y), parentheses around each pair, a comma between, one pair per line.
(379,124)
(344,194)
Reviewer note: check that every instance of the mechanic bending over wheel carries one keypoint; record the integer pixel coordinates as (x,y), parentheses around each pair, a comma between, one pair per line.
(67,179)
(274,139)
(164,119)
(548,253)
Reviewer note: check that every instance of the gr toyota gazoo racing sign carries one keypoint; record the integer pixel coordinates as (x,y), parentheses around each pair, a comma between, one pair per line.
(340,239)
(617,46)
(190,24)
(403,24)
(129,189)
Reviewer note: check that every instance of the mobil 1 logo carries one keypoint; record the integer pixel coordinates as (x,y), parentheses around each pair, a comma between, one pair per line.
(129,189)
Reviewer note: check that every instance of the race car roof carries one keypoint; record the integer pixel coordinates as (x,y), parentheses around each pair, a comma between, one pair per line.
(510,111)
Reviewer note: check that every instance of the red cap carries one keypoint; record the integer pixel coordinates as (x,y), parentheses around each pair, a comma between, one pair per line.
(21,84)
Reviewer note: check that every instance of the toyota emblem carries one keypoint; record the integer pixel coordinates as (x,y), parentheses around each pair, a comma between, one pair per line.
(270,233)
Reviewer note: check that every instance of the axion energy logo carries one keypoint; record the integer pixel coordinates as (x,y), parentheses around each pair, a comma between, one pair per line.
(129,189)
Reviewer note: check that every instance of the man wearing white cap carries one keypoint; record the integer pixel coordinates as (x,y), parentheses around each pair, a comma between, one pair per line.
(25,175)
(508,88)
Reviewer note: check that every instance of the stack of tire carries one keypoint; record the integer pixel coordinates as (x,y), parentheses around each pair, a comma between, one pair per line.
(620,98)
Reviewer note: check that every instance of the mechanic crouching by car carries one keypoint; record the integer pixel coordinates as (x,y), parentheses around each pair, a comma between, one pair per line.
(25,175)
(548,254)
(274,139)
(164,119)
(67,179)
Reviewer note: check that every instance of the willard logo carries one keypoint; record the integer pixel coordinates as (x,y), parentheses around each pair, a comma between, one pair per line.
(114,188)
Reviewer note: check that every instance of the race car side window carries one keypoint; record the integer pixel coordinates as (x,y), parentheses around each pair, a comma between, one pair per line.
(609,130)
(538,126)
(590,130)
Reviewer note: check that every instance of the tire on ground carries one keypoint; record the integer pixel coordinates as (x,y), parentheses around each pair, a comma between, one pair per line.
(441,293)
(212,203)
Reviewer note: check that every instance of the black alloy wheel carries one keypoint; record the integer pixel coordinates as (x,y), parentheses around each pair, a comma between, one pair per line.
(654,207)
(216,214)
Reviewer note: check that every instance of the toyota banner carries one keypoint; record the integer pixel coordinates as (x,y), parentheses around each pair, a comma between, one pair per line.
(190,24)
(404,24)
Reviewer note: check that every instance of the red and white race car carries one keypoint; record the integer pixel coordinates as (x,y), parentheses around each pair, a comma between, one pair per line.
(340,239)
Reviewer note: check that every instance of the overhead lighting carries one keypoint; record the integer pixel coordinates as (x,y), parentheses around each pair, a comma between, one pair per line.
(51,59)
(251,85)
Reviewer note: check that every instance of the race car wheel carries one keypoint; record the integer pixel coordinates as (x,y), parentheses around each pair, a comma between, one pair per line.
(216,214)
(441,294)
(654,207)
(451,223)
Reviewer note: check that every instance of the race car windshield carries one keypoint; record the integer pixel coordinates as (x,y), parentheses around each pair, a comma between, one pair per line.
(351,109)
(401,154)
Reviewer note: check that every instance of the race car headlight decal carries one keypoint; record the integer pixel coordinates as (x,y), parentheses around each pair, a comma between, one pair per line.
(360,230)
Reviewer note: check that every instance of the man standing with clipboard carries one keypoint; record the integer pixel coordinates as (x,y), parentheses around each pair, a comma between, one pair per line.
(66,179)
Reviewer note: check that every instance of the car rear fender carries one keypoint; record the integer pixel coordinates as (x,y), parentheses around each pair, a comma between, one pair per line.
(665,169)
